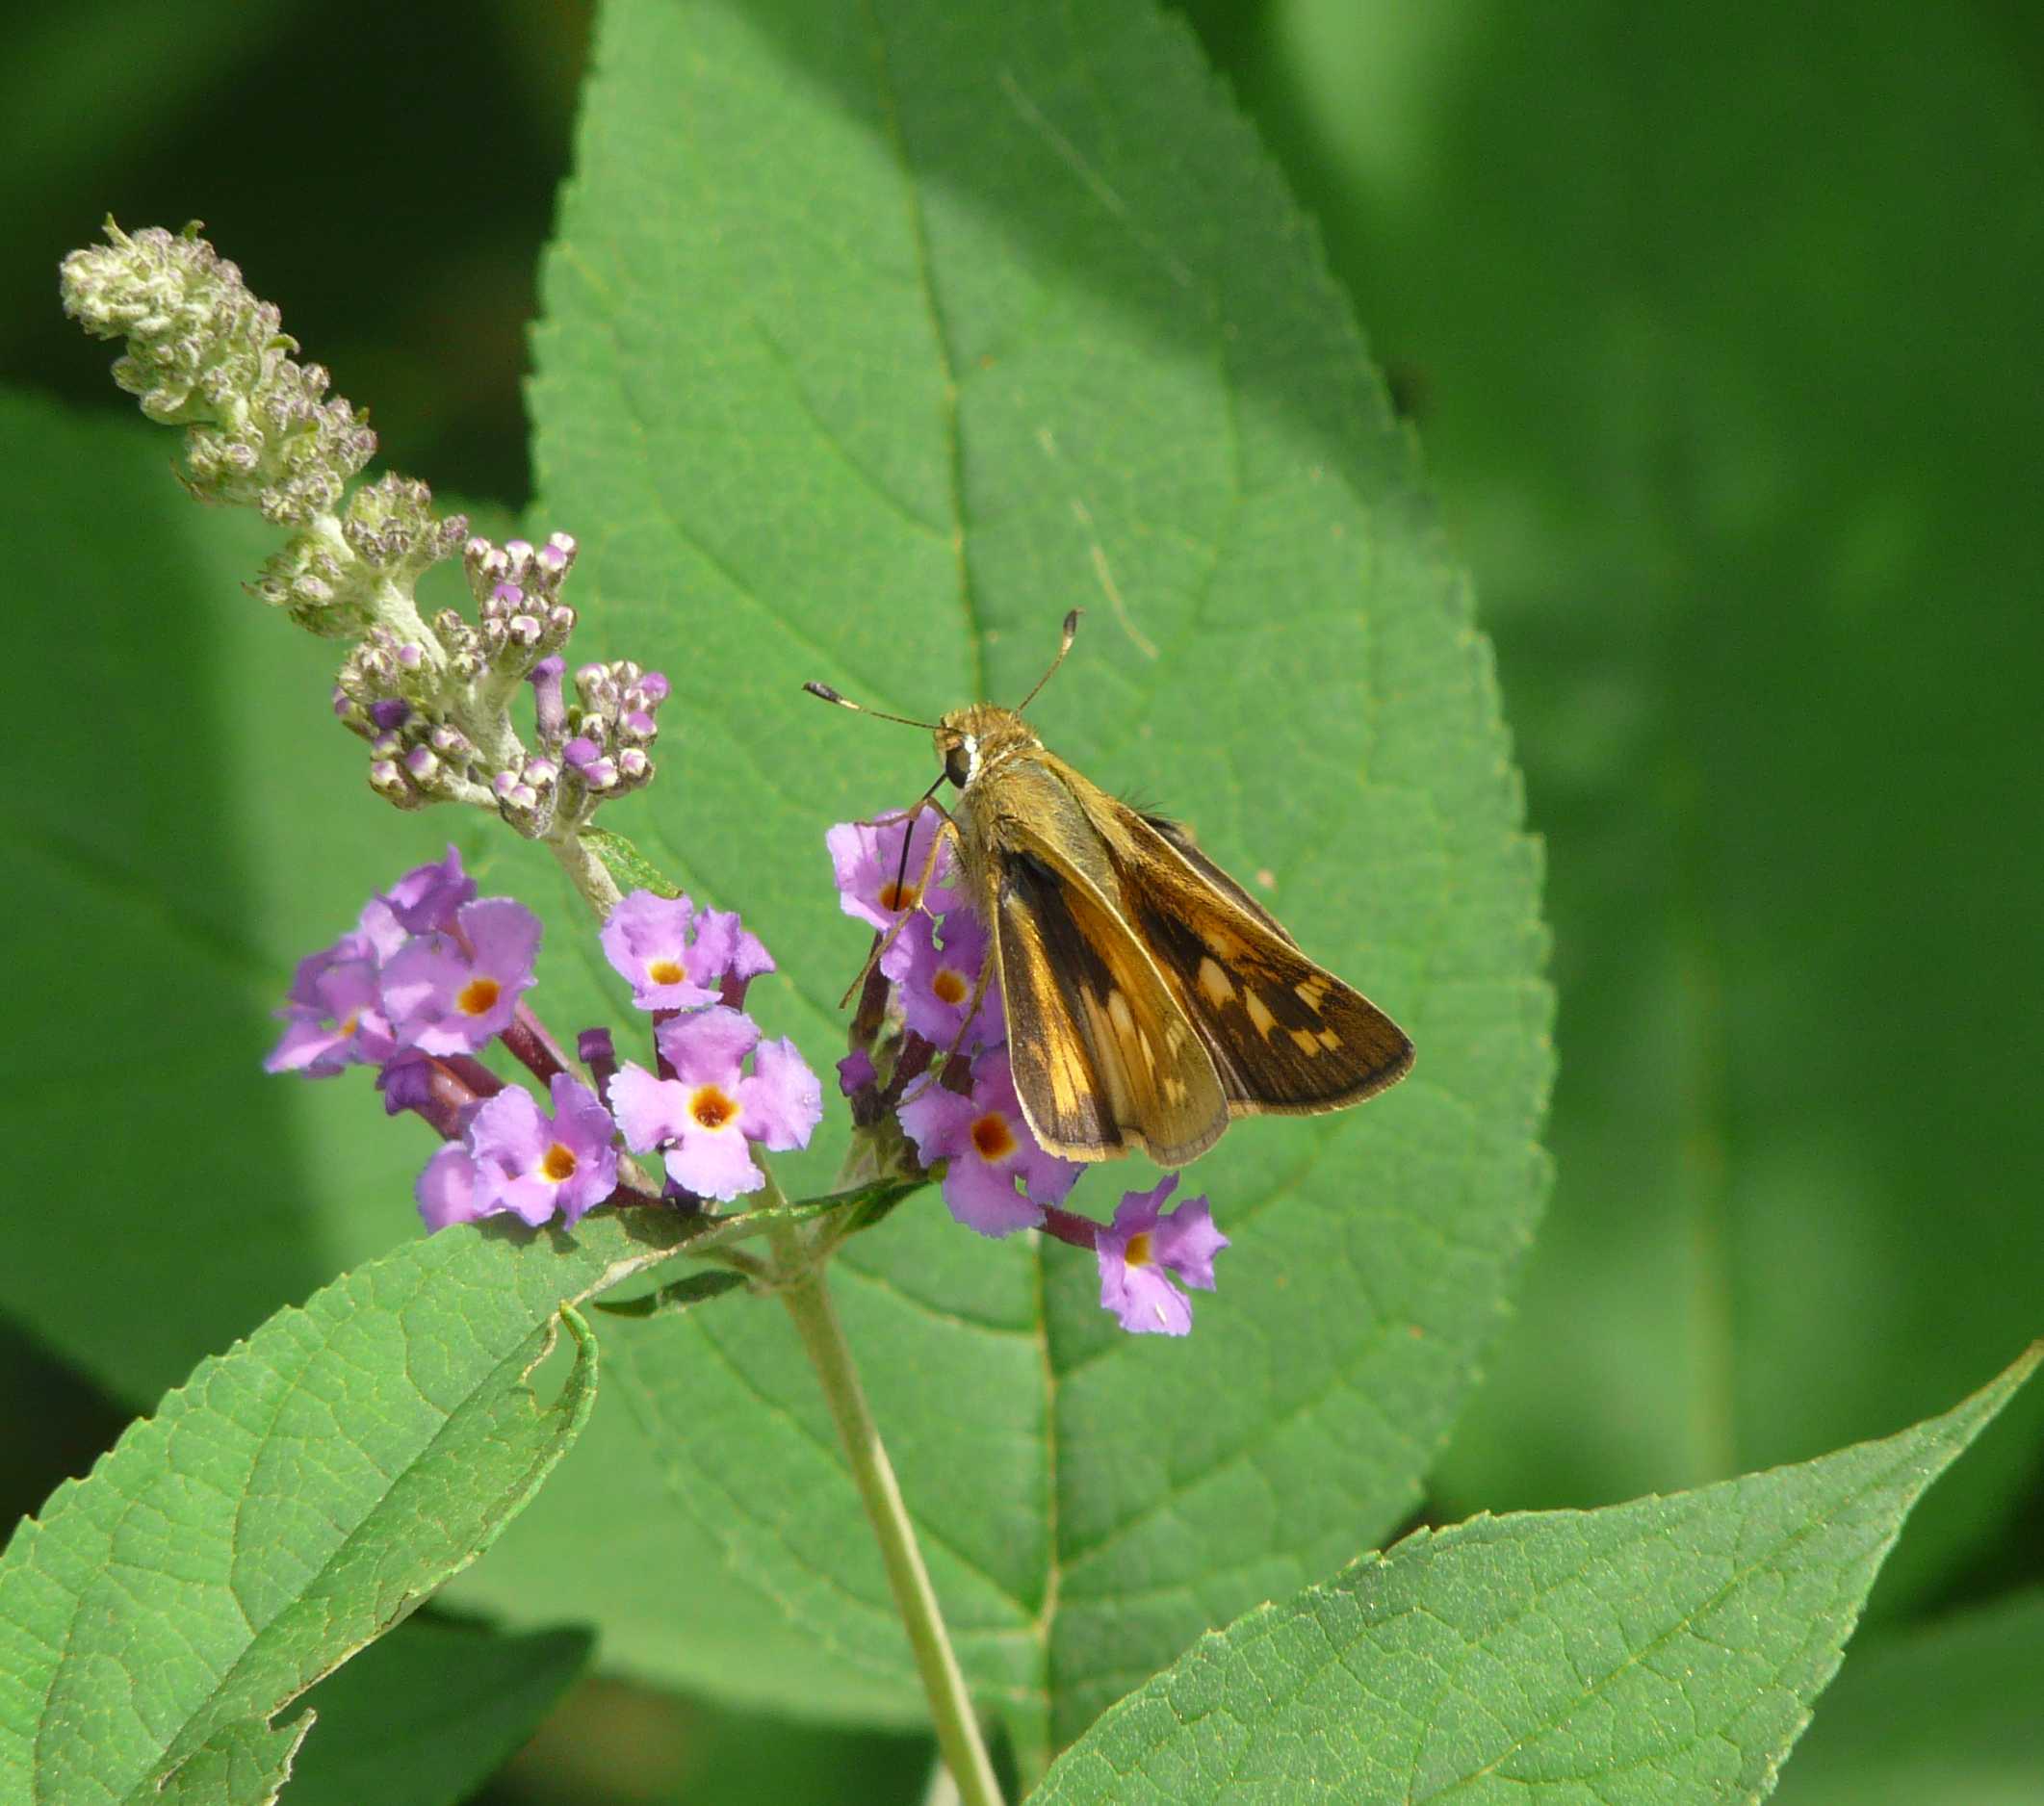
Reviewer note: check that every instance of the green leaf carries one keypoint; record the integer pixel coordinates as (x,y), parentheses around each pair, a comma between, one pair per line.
(1666,1651)
(1752,503)
(427,1715)
(297,1497)
(1940,1716)
(627,865)
(242,1764)
(876,337)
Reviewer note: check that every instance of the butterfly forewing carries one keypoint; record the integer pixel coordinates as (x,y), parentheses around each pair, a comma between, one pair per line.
(1104,1059)
(1285,1035)
(1180,838)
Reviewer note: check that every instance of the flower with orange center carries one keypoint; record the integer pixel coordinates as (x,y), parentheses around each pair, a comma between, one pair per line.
(676,956)
(707,1117)
(525,1165)
(938,967)
(452,993)
(878,877)
(996,1179)
(334,1017)
(1145,1248)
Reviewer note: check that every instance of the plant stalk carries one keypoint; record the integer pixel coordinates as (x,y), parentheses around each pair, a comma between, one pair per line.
(958,1739)
(588,873)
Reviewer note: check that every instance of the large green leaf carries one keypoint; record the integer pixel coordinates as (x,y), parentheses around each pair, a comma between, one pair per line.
(1664,1653)
(877,336)
(1719,324)
(297,1497)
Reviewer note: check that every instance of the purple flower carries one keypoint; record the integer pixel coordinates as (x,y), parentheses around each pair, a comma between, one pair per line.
(1139,1248)
(733,950)
(990,1147)
(334,1015)
(855,1071)
(675,956)
(707,1114)
(446,1189)
(535,1167)
(452,993)
(867,857)
(937,973)
(424,899)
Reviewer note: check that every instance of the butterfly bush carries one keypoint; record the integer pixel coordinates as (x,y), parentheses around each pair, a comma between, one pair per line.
(916,1064)
(432,976)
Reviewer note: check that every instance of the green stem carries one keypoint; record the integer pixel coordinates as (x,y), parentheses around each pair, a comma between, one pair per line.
(958,1739)
(588,873)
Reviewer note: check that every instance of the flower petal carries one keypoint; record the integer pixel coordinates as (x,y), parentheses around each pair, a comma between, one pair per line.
(717,1166)
(649,1110)
(708,1047)
(783,1100)
(446,1189)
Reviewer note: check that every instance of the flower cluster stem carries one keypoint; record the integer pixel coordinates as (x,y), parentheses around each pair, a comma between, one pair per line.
(958,1739)
(588,873)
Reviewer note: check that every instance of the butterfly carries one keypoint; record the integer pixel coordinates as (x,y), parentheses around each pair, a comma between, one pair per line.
(1150,999)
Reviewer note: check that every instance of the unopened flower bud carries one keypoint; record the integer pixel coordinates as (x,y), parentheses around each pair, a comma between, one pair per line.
(550,710)
(388,780)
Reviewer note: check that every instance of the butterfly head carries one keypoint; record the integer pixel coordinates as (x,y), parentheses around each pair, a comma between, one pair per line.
(971,741)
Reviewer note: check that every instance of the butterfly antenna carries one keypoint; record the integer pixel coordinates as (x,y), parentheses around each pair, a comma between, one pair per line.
(830,695)
(1063,647)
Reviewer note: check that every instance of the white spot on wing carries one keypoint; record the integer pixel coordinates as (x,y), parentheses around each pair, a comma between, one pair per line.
(1214,984)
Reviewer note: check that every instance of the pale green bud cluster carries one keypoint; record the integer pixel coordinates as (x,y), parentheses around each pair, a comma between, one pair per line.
(206,354)
(433,700)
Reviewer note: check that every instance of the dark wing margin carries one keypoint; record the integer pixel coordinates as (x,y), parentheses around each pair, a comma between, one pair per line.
(1104,1056)
(1286,1035)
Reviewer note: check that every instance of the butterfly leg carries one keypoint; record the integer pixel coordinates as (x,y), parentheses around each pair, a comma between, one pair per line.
(947,828)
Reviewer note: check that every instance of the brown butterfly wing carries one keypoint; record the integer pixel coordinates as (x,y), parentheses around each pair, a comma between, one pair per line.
(1104,1059)
(1180,838)
(1286,1035)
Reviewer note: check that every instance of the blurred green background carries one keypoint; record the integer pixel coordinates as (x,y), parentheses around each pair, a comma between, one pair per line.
(1719,331)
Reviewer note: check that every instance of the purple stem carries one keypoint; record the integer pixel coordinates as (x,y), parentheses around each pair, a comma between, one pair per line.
(661,1064)
(471,1073)
(872,1006)
(1069,1226)
(532,1048)
(910,1065)
(442,1091)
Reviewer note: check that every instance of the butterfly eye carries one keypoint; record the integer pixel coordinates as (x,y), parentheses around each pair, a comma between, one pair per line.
(958,764)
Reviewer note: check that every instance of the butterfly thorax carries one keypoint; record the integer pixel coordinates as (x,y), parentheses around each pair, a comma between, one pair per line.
(976,741)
